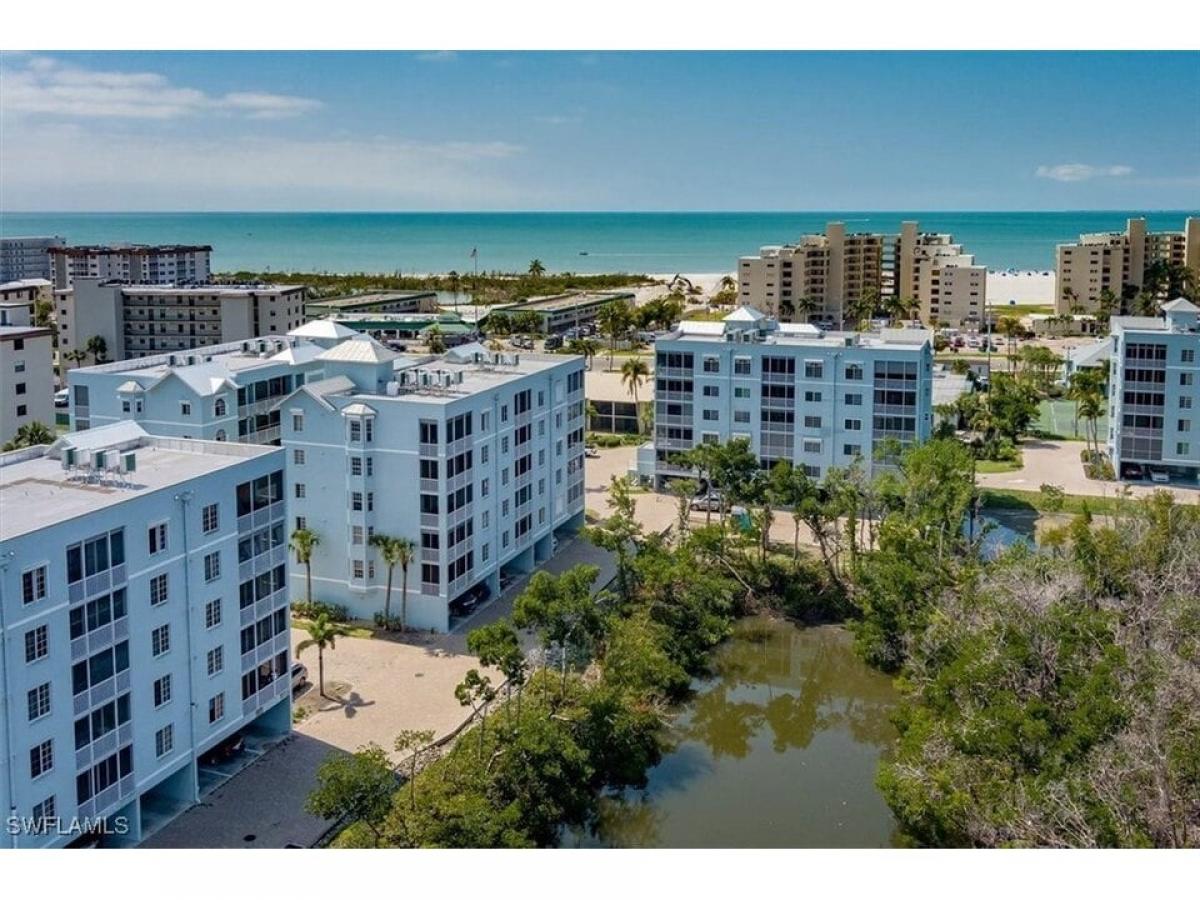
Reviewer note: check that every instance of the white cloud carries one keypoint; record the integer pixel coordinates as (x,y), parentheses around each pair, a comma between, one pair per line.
(75,166)
(44,86)
(1081,172)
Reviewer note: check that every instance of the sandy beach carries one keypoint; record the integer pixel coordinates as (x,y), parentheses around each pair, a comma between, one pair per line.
(1020,288)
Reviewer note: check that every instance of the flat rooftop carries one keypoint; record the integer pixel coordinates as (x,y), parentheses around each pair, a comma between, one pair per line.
(566,301)
(209,288)
(233,356)
(46,494)
(789,335)
(371,299)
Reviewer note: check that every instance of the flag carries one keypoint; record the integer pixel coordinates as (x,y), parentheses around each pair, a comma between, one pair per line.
(474,252)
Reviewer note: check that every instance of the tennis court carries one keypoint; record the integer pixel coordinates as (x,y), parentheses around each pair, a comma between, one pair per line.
(1058,417)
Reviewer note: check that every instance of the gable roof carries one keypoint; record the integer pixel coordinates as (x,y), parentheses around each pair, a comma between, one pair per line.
(1181,304)
(322,328)
(745,314)
(364,351)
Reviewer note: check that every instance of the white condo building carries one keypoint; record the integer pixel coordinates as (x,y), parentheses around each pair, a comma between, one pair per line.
(131,263)
(144,620)
(1154,392)
(145,320)
(816,398)
(475,457)
(27,257)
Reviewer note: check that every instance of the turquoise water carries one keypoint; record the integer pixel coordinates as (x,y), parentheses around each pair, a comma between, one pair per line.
(613,242)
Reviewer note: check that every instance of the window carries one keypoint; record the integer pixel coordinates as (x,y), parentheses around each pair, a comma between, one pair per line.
(43,814)
(210,519)
(356,501)
(741,393)
(299,490)
(301,523)
(814,369)
(37,643)
(298,457)
(356,569)
(219,407)
(1185,425)
(160,640)
(162,691)
(851,450)
(1185,402)
(297,422)
(158,589)
(185,408)
(215,660)
(41,759)
(741,416)
(741,365)
(157,538)
(854,372)
(1183,448)
(216,708)
(854,399)
(1187,355)
(164,740)
(33,585)
(854,424)
(483,454)
(811,446)
(355,430)
(1186,379)
(712,365)
(212,613)
(711,415)
(812,421)
(356,467)
(38,700)
(212,566)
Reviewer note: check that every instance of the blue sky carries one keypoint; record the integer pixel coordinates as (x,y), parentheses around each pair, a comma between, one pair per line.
(599,131)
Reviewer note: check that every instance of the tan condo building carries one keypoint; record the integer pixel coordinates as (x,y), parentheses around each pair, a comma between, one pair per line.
(822,275)
(1117,262)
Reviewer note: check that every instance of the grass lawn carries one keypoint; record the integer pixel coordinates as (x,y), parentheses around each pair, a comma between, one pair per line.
(1007,498)
(998,466)
(356,629)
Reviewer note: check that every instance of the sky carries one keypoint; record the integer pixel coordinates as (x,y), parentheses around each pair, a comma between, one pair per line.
(444,130)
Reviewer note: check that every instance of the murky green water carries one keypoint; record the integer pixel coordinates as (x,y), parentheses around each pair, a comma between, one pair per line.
(778,748)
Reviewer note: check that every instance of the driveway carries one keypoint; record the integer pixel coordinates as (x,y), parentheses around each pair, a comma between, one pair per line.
(261,806)
(1057,462)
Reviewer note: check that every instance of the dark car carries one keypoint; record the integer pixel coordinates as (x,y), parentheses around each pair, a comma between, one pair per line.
(224,751)
(553,342)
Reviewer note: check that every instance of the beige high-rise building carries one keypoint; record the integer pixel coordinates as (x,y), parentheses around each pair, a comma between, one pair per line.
(132,263)
(814,278)
(1117,261)
(821,275)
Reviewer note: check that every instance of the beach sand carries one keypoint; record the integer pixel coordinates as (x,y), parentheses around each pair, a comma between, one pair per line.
(1020,288)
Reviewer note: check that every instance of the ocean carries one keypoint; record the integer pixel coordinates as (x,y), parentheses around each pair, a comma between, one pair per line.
(564,242)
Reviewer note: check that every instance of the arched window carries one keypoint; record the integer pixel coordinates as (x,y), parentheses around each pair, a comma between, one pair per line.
(220,434)
(219,407)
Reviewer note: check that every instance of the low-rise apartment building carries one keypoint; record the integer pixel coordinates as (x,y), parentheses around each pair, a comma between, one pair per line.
(561,312)
(131,263)
(1116,262)
(146,320)
(27,257)
(144,620)
(1154,392)
(474,456)
(817,399)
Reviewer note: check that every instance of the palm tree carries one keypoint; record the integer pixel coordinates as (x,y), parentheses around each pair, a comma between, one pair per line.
(634,373)
(614,321)
(787,309)
(434,340)
(322,633)
(585,347)
(76,356)
(805,306)
(536,269)
(395,551)
(32,434)
(97,347)
(303,542)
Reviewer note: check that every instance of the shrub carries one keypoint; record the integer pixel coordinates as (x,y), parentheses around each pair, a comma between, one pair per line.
(335,611)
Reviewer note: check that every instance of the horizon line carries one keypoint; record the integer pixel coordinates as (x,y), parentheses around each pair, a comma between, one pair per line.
(567,212)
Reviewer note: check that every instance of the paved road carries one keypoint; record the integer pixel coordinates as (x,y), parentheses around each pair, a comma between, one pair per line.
(261,806)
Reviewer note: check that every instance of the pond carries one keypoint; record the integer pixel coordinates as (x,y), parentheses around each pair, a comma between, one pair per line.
(777,748)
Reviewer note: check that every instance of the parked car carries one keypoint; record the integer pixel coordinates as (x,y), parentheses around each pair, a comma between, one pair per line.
(62,398)
(706,503)
(1159,476)
(224,751)
(299,676)
(1133,471)
(398,346)
(553,342)
(591,452)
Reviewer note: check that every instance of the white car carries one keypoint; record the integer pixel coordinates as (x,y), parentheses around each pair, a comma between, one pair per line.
(62,398)
(591,452)
(1158,476)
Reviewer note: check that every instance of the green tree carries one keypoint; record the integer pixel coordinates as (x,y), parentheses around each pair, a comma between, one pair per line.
(303,543)
(414,744)
(536,269)
(634,373)
(476,691)
(355,786)
(395,551)
(498,645)
(97,348)
(620,533)
(614,320)
(435,341)
(585,347)
(563,611)
(31,434)
(683,490)
(322,634)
